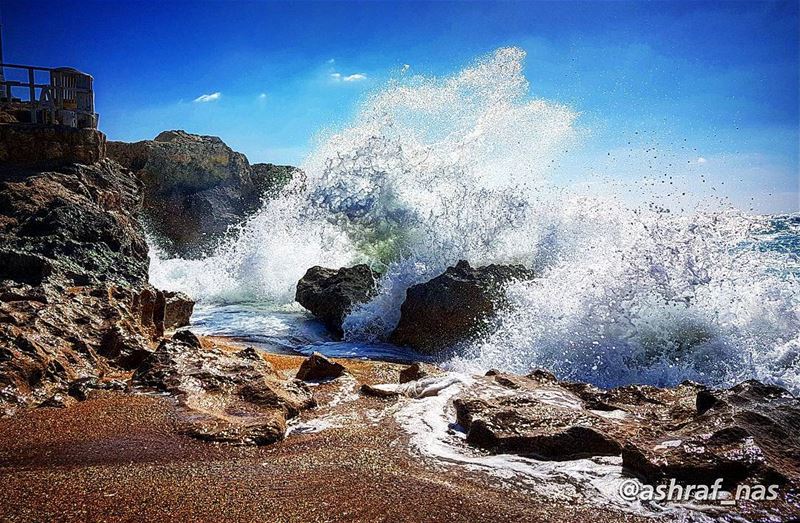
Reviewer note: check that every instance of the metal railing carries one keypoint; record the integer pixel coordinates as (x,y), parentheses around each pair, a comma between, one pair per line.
(67,99)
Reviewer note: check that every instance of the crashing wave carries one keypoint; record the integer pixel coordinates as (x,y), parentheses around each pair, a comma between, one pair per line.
(436,170)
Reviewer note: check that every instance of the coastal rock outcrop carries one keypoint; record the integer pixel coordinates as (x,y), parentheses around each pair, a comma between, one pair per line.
(196,187)
(540,419)
(224,396)
(451,307)
(74,298)
(40,147)
(330,294)
(747,436)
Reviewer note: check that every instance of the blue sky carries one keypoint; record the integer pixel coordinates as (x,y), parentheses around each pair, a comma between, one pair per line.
(712,86)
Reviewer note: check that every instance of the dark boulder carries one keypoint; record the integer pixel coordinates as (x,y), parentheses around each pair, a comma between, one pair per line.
(196,187)
(331,294)
(317,367)
(452,307)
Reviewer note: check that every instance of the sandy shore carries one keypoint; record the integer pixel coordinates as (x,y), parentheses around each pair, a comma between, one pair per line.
(117,457)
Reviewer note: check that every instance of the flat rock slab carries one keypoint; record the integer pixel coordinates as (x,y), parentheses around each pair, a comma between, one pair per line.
(224,396)
(747,433)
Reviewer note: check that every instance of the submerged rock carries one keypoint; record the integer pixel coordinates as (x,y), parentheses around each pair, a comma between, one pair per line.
(196,187)
(224,396)
(453,306)
(317,367)
(330,294)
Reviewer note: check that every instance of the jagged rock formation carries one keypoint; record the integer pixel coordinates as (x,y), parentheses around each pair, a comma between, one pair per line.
(451,307)
(330,294)
(74,297)
(690,433)
(231,397)
(196,187)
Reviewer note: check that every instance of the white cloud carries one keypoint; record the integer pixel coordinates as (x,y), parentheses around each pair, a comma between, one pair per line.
(356,77)
(205,98)
(701,160)
(262,96)
(332,61)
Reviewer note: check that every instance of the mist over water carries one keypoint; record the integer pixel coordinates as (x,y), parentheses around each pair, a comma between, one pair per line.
(436,170)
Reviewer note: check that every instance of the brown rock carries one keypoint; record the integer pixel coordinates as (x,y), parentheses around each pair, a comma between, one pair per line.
(539,420)
(415,371)
(48,146)
(196,187)
(747,434)
(378,392)
(178,308)
(74,297)
(318,367)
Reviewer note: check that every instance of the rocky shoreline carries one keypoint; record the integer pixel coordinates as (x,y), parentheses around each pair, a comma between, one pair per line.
(118,416)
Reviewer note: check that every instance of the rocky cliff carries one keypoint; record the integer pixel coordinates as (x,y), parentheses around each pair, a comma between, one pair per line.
(74,299)
(196,187)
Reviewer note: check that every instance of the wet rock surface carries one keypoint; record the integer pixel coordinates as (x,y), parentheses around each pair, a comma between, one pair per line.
(196,187)
(416,371)
(747,435)
(330,294)
(505,413)
(224,396)
(451,307)
(317,367)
